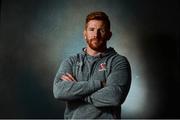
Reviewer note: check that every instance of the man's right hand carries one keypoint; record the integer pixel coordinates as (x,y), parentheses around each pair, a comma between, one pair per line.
(68,77)
(103,83)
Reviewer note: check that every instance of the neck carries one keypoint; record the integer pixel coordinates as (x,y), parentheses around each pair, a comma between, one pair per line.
(94,52)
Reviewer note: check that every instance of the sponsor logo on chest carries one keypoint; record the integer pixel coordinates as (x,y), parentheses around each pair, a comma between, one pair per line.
(102,67)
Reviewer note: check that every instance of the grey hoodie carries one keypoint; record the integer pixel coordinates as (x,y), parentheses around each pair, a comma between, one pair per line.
(87,98)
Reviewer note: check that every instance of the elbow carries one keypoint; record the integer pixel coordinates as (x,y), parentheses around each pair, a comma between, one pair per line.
(56,97)
(62,95)
(59,95)
(115,102)
(56,94)
(55,90)
(109,103)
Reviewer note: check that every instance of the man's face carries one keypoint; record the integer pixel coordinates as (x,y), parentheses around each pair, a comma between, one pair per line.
(96,34)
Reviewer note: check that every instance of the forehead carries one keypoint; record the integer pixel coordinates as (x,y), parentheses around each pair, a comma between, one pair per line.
(96,24)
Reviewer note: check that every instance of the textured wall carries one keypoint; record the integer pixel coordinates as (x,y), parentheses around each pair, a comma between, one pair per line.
(36,35)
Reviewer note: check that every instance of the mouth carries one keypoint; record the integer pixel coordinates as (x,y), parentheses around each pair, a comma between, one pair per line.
(96,40)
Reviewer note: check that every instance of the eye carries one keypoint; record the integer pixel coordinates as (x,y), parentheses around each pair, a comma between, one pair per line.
(102,30)
(91,29)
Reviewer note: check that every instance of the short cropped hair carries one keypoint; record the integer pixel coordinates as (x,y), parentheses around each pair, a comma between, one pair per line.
(98,15)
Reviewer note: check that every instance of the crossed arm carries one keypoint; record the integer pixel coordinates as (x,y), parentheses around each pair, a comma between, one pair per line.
(99,94)
(67,88)
(70,78)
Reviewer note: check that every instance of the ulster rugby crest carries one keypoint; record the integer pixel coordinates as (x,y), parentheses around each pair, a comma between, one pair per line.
(102,67)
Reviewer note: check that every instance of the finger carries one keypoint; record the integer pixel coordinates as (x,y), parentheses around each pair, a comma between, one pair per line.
(69,75)
(65,77)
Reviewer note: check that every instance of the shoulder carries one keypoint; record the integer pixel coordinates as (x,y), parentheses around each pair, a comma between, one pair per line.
(120,61)
(73,59)
(114,56)
(119,58)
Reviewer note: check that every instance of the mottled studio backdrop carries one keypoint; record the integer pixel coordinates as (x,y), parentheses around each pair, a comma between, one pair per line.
(36,35)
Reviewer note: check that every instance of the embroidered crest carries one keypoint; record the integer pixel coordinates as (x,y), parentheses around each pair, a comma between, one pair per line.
(102,67)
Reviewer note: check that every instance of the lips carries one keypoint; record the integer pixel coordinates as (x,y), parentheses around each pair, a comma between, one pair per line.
(96,40)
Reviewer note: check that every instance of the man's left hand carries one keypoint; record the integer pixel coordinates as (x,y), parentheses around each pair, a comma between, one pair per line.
(68,77)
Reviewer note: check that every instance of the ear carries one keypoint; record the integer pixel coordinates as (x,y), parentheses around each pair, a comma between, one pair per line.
(84,34)
(109,35)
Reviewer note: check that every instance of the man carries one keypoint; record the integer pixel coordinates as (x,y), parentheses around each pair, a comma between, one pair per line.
(95,82)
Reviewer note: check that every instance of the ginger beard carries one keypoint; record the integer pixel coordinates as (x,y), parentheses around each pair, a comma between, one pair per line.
(97,44)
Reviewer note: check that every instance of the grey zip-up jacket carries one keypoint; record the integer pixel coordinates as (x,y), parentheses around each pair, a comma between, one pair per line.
(87,98)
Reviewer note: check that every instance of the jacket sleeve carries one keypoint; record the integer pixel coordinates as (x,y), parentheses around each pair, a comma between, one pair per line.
(117,85)
(68,90)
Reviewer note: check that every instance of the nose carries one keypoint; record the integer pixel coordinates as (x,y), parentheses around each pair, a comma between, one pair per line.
(97,34)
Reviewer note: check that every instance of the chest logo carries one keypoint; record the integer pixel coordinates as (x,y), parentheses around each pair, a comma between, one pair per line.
(102,67)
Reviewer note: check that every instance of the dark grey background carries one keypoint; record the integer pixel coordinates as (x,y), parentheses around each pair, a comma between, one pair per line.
(36,35)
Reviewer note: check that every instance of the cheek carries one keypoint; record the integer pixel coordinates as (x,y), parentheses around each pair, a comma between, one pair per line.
(89,35)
